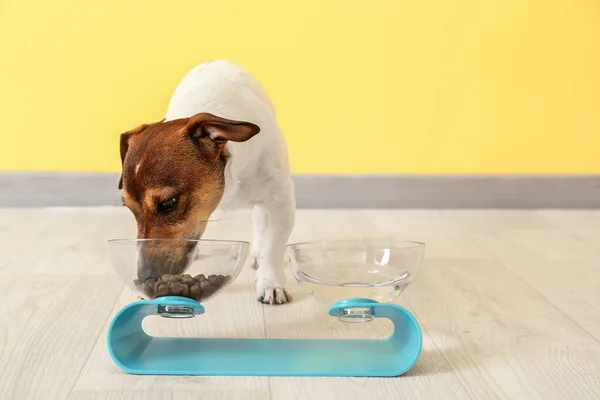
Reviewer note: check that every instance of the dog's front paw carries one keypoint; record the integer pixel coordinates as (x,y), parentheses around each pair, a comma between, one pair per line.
(274,295)
(271,293)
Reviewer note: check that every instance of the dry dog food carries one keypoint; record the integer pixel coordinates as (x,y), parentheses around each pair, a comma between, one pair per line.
(198,287)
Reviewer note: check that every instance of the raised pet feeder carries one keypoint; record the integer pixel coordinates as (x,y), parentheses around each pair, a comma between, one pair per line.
(358,280)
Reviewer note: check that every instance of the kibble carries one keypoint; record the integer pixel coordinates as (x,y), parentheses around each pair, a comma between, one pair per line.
(198,287)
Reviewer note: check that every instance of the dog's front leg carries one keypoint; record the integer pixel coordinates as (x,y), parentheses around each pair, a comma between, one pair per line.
(259,225)
(279,223)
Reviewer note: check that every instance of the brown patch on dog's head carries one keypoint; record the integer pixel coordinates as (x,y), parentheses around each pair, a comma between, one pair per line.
(173,178)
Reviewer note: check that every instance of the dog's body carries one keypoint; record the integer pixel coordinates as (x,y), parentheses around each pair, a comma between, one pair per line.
(255,167)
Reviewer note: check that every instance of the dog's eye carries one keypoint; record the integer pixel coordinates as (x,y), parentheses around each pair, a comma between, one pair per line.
(167,206)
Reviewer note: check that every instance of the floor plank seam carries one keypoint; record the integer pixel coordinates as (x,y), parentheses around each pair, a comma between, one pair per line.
(96,339)
(458,378)
(578,235)
(551,303)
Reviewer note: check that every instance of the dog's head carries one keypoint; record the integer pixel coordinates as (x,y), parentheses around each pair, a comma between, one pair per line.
(172,180)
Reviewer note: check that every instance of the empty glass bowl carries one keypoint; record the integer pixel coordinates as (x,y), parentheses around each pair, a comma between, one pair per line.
(197,269)
(334,271)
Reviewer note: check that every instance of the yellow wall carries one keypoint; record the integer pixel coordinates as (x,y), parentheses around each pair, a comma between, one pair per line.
(448,86)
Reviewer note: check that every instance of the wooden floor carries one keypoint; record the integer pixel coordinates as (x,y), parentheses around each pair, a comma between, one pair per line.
(509,303)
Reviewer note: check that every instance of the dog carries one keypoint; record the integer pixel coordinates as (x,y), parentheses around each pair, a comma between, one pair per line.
(219,145)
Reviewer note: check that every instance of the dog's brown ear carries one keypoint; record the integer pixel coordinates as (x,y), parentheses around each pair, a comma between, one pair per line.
(219,129)
(124,145)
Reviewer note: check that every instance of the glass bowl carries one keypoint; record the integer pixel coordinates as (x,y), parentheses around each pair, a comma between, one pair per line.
(334,271)
(196,269)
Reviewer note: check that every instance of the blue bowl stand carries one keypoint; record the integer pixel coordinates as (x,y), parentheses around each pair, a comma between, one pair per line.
(136,352)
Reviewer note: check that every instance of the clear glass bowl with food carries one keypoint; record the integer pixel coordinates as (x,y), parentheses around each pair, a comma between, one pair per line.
(196,269)
(338,270)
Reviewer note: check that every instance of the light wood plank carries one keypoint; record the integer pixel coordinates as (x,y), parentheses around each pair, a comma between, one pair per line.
(507,300)
(49,326)
(59,241)
(563,266)
(164,394)
(584,225)
(503,339)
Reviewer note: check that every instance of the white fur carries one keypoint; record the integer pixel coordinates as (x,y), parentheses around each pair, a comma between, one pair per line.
(257,173)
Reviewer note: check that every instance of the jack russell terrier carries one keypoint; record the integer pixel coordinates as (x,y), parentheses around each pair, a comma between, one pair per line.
(219,145)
